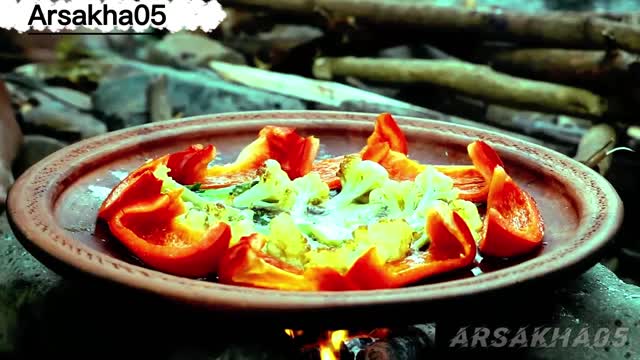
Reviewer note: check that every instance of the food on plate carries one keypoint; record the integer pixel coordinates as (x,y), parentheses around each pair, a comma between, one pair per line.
(279,218)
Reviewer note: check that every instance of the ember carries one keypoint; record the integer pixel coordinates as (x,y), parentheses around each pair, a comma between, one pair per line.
(337,344)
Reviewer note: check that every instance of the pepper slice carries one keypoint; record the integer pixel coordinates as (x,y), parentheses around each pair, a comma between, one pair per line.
(294,153)
(513,225)
(186,167)
(452,247)
(386,131)
(388,147)
(143,220)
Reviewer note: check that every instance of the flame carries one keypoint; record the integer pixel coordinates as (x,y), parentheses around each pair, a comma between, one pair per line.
(293,333)
(330,349)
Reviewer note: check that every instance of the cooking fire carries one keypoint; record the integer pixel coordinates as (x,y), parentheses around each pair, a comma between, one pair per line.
(380,343)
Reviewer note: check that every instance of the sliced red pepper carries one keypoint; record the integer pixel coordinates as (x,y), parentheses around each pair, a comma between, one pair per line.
(294,153)
(141,218)
(189,166)
(186,167)
(140,186)
(148,230)
(386,131)
(388,147)
(468,180)
(513,224)
(246,264)
(484,158)
(452,247)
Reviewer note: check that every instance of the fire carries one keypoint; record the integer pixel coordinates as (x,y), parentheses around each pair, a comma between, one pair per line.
(293,333)
(330,348)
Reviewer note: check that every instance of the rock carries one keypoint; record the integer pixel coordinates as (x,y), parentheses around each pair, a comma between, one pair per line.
(10,139)
(6,180)
(35,148)
(597,300)
(122,96)
(23,283)
(189,51)
(60,112)
(51,117)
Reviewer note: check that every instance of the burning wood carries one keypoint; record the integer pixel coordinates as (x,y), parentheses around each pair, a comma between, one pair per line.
(411,342)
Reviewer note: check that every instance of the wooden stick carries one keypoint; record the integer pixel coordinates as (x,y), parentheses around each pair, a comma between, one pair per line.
(10,141)
(593,148)
(590,31)
(474,80)
(159,102)
(596,68)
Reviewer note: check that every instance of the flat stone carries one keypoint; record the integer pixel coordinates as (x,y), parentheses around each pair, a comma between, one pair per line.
(69,119)
(189,51)
(35,148)
(6,180)
(122,95)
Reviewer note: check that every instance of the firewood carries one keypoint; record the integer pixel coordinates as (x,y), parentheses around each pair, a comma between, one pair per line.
(612,70)
(557,29)
(10,141)
(473,80)
(159,103)
(595,145)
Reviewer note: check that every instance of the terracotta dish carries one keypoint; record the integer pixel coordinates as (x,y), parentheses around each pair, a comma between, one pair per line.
(53,207)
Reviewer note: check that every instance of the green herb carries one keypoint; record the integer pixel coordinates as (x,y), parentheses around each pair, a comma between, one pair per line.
(239,189)
(263,216)
(196,188)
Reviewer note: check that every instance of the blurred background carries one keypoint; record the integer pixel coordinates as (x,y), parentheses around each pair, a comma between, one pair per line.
(561,73)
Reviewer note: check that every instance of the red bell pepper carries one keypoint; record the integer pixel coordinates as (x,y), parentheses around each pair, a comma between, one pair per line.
(467,180)
(452,247)
(388,147)
(513,224)
(186,167)
(295,154)
(386,131)
(142,218)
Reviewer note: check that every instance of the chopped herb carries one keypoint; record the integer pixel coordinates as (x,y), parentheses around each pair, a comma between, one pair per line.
(263,216)
(239,189)
(196,188)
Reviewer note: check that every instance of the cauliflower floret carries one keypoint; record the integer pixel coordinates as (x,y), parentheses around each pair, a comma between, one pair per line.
(286,242)
(309,190)
(433,185)
(358,178)
(392,238)
(469,213)
(274,189)
(397,196)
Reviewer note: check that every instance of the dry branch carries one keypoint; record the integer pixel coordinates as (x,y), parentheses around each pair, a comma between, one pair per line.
(596,68)
(10,141)
(159,103)
(593,148)
(474,80)
(558,29)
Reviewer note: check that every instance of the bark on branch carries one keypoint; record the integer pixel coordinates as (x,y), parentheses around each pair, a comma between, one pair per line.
(556,29)
(478,81)
(609,69)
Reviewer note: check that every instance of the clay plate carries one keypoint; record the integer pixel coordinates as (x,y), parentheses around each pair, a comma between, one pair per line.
(53,207)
